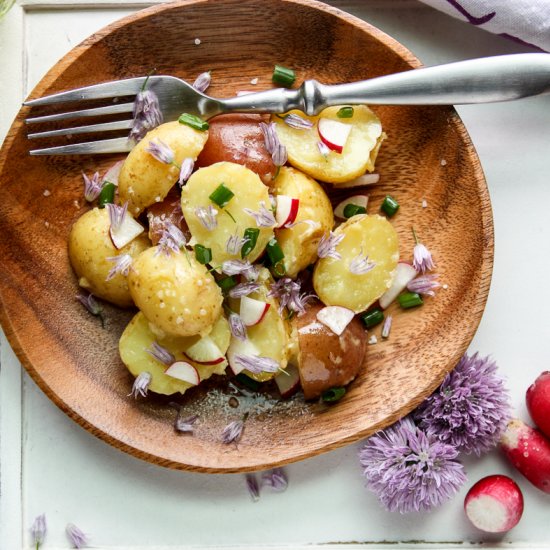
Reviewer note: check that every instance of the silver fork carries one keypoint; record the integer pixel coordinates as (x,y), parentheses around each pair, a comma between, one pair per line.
(484,80)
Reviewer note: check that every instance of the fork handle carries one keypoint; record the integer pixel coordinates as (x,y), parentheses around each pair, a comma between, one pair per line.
(485,80)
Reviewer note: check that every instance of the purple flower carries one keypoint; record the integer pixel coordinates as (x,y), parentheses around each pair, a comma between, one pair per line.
(386,327)
(422,257)
(185,425)
(141,384)
(470,409)
(272,144)
(256,364)
(425,284)
(264,217)
(161,354)
(202,81)
(243,289)
(237,327)
(323,148)
(360,264)
(288,293)
(232,432)
(116,214)
(409,470)
(276,479)
(234,244)
(297,122)
(240,267)
(171,239)
(160,151)
(147,114)
(327,246)
(38,530)
(186,169)
(252,486)
(279,155)
(123,264)
(207,217)
(76,537)
(91,305)
(92,187)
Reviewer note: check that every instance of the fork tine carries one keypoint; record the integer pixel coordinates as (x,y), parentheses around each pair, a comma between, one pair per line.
(130,86)
(117,145)
(98,111)
(105,127)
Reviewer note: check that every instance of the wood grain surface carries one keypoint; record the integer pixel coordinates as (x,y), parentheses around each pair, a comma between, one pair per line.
(75,362)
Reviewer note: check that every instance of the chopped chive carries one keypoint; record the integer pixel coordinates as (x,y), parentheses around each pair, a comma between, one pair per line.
(203,254)
(282,76)
(345,112)
(274,252)
(227,283)
(333,394)
(107,194)
(351,210)
(409,299)
(251,236)
(250,383)
(373,317)
(221,195)
(194,121)
(390,206)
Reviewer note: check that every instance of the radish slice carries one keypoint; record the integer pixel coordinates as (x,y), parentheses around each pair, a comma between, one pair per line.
(365,179)
(336,318)
(404,274)
(129,229)
(288,381)
(538,402)
(252,311)
(240,347)
(358,200)
(112,174)
(333,134)
(183,371)
(287,210)
(494,504)
(205,352)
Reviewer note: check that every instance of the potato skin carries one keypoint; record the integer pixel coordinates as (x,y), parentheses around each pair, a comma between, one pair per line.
(326,360)
(89,247)
(175,292)
(143,180)
(299,243)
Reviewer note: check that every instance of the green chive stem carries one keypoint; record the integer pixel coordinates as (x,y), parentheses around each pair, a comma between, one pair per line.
(283,76)
(373,317)
(409,300)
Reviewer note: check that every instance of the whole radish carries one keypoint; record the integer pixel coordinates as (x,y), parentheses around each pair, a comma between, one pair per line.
(529,451)
(538,402)
(494,504)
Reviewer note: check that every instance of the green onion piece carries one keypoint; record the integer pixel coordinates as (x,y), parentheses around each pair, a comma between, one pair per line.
(194,121)
(282,76)
(351,210)
(333,394)
(107,194)
(274,251)
(390,206)
(221,195)
(250,383)
(373,317)
(251,233)
(345,112)
(409,299)
(227,283)
(203,254)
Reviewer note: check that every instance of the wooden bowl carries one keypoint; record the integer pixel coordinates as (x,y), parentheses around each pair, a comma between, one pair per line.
(427,156)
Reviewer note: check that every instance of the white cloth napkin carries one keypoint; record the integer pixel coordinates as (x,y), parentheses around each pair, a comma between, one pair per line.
(526,21)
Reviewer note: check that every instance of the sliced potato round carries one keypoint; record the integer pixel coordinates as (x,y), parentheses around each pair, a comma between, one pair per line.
(90,245)
(372,236)
(144,180)
(314,219)
(138,336)
(175,292)
(357,157)
(249,192)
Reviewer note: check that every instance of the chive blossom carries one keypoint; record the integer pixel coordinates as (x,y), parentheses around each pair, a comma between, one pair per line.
(160,151)
(123,264)
(117,214)
(264,217)
(207,217)
(386,327)
(92,187)
(161,354)
(202,82)
(193,121)
(327,246)
(297,122)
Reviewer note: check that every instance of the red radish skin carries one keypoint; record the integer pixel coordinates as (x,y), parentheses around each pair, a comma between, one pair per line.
(529,451)
(494,504)
(333,134)
(538,402)
(287,210)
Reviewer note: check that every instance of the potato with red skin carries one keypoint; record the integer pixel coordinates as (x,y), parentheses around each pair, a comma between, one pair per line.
(167,210)
(538,402)
(326,360)
(238,138)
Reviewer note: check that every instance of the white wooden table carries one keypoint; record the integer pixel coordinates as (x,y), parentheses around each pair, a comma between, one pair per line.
(49,464)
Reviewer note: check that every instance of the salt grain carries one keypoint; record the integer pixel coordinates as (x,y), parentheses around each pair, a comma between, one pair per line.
(197,41)
(373,340)
(424,203)
(443,162)
(47,192)
(254,81)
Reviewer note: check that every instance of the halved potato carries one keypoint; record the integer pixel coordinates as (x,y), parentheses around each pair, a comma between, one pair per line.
(333,281)
(357,157)
(138,336)
(299,242)
(249,192)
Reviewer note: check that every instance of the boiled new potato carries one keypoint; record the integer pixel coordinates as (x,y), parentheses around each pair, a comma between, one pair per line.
(333,281)
(357,157)
(138,336)
(90,245)
(175,292)
(299,242)
(326,360)
(249,192)
(144,180)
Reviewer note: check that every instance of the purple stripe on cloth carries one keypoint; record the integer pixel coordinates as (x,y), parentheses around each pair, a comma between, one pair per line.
(471,18)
